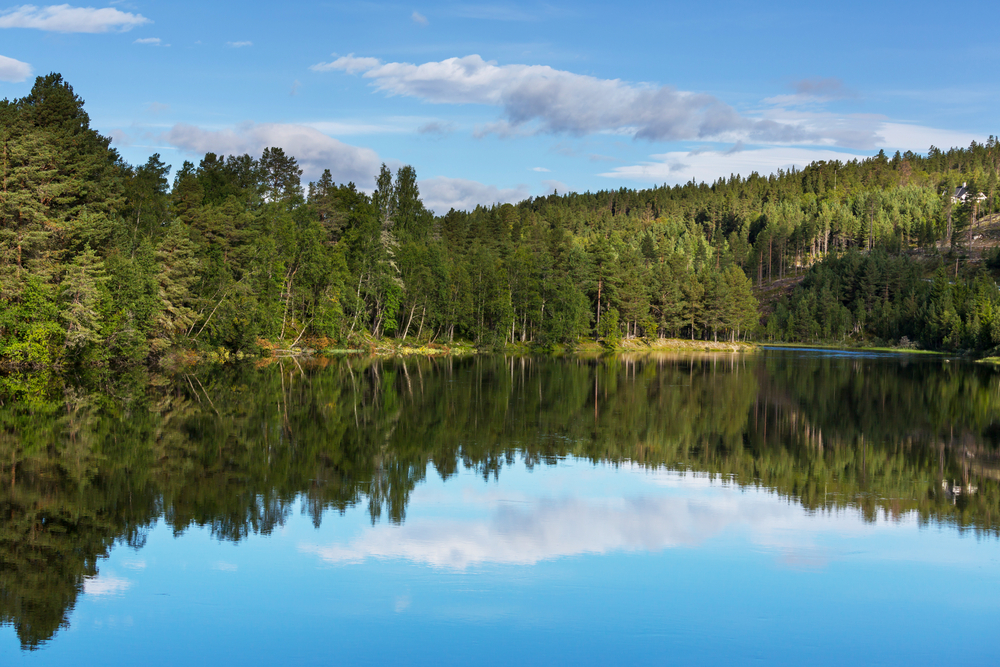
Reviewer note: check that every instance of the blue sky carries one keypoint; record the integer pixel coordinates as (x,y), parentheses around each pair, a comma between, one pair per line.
(496,102)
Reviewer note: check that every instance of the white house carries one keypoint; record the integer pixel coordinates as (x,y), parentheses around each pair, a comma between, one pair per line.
(963,195)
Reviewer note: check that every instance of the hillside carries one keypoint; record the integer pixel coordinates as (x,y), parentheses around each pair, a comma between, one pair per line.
(105,262)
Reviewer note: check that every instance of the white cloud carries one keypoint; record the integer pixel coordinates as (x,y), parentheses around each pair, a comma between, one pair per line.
(223,566)
(541,169)
(13,71)
(441,194)
(861,131)
(151,41)
(419,18)
(348,64)
(66,18)
(105,584)
(538,98)
(238,45)
(682,166)
(864,131)
(555,186)
(906,136)
(313,150)
(704,164)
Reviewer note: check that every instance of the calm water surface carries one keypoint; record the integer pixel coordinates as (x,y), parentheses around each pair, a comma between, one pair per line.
(783,508)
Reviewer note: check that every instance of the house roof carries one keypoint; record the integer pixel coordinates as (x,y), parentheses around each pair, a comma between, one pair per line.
(963,193)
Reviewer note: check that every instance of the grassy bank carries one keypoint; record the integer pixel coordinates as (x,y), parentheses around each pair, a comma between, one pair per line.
(852,348)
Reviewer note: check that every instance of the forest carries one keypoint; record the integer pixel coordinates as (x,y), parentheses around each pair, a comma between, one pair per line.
(105,262)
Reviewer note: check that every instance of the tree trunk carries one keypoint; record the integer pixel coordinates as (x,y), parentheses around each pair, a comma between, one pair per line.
(600,284)
(947,236)
(421,329)
(770,245)
(288,298)
(407,329)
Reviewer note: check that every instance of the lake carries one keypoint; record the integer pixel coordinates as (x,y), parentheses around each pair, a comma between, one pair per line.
(784,507)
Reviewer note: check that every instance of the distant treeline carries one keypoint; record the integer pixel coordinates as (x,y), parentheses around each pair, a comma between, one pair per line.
(884,298)
(104,261)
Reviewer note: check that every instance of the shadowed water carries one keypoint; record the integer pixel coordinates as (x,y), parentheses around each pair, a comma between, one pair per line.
(722,508)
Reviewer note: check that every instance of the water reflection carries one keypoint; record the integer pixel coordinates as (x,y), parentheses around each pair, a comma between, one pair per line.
(547,528)
(87,463)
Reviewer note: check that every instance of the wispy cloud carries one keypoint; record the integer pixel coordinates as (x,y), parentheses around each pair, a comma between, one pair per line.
(349,64)
(437,128)
(13,71)
(737,147)
(813,92)
(441,194)
(238,45)
(564,149)
(120,137)
(151,41)
(340,128)
(314,150)
(708,165)
(157,107)
(66,18)
(541,169)
(419,18)
(538,98)
(830,88)
(555,186)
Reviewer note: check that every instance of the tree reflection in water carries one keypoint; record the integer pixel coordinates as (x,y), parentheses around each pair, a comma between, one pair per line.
(90,462)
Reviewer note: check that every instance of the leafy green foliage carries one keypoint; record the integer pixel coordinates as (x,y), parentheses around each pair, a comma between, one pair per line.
(237,250)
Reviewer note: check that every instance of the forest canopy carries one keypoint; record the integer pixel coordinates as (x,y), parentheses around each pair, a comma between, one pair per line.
(102,261)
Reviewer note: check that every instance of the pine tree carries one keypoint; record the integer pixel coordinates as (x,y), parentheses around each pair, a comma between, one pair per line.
(84,291)
(179,266)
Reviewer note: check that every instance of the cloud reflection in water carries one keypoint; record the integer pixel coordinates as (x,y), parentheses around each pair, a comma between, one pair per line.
(553,528)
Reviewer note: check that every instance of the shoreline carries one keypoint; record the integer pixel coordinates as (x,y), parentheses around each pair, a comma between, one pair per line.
(387,349)
(270,352)
(859,348)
